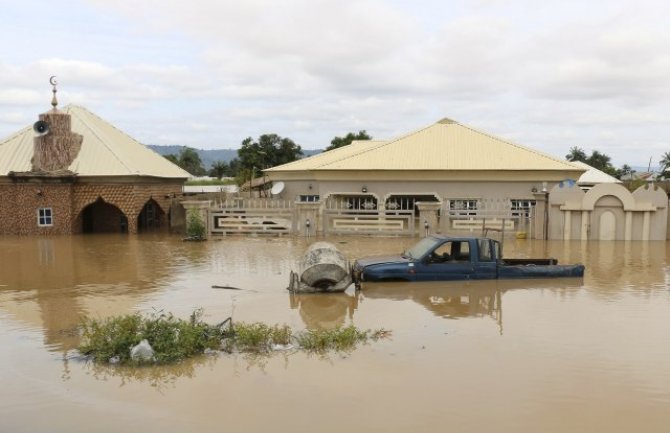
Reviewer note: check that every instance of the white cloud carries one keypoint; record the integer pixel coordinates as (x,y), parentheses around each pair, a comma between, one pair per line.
(209,73)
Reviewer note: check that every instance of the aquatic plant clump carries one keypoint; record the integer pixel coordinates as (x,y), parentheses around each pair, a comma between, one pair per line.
(195,227)
(339,339)
(259,337)
(170,339)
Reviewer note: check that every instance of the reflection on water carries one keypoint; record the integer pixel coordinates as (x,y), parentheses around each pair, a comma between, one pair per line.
(562,355)
(327,310)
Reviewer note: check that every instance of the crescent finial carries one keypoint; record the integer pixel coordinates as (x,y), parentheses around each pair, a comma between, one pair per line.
(54,101)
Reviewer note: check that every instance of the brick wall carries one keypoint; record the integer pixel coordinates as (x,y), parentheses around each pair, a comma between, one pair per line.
(19,204)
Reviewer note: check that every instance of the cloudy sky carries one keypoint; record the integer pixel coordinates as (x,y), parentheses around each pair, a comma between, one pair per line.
(207,73)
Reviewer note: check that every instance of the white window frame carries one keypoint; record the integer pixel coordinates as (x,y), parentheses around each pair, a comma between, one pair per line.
(464,206)
(309,198)
(522,207)
(45,217)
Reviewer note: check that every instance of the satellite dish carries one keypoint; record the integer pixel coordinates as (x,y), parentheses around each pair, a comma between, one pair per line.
(277,188)
(41,127)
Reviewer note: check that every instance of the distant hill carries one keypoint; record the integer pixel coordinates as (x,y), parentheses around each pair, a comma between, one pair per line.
(209,156)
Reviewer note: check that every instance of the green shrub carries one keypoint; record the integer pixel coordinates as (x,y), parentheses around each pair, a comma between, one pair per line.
(259,337)
(175,339)
(113,337)
(339,339)
(172,339)
(195,228)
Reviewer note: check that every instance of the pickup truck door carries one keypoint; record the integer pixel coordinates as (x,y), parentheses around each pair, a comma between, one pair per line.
(449,261)
(427,271)
(486,265)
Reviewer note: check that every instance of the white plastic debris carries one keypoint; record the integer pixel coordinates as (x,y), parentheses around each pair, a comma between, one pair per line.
(114,360)
(142,352)
(282,347)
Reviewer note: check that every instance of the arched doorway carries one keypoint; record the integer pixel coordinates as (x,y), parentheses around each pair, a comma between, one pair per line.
(103,217)
(607,226)
(152,217)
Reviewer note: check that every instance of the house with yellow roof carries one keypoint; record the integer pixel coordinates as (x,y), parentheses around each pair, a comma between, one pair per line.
(448,166)
(73,172)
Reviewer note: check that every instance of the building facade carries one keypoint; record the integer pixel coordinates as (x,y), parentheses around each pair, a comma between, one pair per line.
(72,172)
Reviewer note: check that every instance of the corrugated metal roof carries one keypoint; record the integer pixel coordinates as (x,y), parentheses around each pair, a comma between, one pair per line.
(445,145)
(105,151)
(325,158)
(593,176)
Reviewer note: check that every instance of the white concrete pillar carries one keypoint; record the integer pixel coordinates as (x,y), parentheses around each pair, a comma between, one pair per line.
(646,225)
(629,226)
(428,216)
(585,226)
(567,225)
(308,222)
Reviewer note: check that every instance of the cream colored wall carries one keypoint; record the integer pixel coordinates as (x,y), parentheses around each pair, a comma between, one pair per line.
(444,190)
(586,210)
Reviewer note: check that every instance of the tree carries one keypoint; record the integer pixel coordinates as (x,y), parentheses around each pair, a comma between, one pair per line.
(665,162)
(601,162)
(576,154)
(190,161)
(219,169)
(596,160)
(172,158)
(347,139)
(270,150)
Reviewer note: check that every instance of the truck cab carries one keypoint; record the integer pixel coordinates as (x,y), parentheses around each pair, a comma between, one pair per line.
(459,259)
(434,258)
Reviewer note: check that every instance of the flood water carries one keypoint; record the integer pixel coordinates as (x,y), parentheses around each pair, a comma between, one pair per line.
(568,355)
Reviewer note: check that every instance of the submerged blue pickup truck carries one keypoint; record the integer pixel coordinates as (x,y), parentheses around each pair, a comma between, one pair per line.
(443,258)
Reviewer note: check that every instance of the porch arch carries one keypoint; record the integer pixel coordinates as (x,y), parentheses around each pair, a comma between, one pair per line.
(101,217)
(151,216)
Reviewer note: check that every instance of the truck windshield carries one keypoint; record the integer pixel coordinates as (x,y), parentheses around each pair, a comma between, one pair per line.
(421,248)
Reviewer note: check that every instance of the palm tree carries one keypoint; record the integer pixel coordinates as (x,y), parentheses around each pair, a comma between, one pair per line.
(576,154)
(219,169)
(665,161)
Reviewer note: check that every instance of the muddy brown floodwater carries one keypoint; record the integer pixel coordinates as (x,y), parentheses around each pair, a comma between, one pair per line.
(574,355)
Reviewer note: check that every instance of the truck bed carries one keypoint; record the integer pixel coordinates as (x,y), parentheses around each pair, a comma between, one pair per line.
(516,262)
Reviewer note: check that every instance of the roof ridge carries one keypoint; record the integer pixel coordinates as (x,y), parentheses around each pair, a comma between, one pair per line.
(382,144)
(360,152)
(519,146)
(19,132)
(96,133)
(340,149)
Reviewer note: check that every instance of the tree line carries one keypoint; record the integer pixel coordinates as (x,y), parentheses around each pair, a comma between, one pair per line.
(254,155)
(603,163)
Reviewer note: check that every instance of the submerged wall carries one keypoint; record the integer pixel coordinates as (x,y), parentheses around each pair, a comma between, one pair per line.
(608,212)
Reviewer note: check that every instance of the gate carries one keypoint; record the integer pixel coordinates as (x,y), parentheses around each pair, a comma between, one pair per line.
(259,216)
(360,215)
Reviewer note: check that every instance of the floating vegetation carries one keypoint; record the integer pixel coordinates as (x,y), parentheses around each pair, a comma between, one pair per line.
(172,339)
(161,339)
(339,339)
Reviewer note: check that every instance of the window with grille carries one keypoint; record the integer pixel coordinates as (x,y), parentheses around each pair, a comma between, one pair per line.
(522,207)
(44,217)
(464,207)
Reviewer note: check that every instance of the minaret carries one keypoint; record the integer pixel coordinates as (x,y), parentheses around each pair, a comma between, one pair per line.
(55,146)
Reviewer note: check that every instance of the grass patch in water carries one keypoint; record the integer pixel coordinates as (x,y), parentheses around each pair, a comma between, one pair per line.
(339,339)
(172,339)
(259,337)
